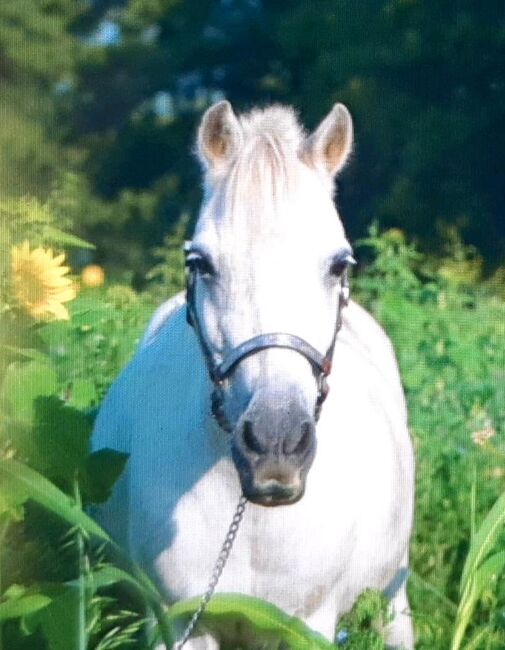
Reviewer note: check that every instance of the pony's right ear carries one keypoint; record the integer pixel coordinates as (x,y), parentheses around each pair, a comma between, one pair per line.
(219,136)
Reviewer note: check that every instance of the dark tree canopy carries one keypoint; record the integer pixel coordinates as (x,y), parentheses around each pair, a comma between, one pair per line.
(425,83)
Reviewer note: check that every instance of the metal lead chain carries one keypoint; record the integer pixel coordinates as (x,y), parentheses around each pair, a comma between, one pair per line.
(216,573)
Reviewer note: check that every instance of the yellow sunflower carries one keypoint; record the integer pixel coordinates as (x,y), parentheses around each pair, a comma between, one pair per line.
(39,283)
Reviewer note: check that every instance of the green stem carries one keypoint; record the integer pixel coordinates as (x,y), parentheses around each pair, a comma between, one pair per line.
(4,525)
(473,502)
(463,616)
(82,640)
(163,624)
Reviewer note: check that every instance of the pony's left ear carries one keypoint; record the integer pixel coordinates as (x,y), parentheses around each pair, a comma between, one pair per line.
(328,148)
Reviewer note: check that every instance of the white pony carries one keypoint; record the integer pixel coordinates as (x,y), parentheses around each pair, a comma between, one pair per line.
(267,283)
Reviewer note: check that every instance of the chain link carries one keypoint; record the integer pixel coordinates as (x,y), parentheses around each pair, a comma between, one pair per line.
(222,559)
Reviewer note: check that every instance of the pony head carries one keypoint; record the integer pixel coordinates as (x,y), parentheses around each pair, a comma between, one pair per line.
(269,255)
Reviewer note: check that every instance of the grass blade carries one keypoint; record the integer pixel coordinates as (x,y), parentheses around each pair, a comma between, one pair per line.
(478,581)
(484,540)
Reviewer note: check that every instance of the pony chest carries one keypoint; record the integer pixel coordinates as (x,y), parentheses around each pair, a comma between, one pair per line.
(295,540)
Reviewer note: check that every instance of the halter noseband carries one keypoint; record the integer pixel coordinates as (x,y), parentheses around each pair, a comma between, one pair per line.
(220,368)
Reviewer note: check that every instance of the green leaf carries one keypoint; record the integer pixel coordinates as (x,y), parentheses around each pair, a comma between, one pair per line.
(82,394)
(22,602)
(10,508)
(64,239)
(25,381)
(108,576)
(20,483)
(259,620)
(57,445)
(484,540)
(421,583)
(101,471)
(59,620)
(19,607)
(488,570)
(27,353)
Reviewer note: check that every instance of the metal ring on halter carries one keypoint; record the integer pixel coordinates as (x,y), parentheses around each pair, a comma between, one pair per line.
(219,369)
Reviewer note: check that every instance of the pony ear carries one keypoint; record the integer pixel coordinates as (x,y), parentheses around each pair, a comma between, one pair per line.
(328,148)
(219,135)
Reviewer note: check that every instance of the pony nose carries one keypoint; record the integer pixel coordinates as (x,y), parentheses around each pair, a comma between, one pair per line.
(282,435)
(250,440)
(298,445)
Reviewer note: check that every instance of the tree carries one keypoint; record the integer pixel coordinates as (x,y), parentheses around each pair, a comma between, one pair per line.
(36,62)
(425,83)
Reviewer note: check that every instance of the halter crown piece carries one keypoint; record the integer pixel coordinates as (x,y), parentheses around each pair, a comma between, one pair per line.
(221,367)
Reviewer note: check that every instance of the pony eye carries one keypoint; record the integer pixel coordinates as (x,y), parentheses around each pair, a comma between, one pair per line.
(199,264)
(340,263)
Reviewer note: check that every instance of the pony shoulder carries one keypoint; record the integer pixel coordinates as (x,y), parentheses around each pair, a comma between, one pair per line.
(160,317)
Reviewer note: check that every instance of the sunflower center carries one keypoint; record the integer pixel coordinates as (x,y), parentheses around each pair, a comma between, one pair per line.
(30,289)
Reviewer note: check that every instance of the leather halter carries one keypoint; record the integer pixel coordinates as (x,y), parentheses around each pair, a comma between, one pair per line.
(220,368)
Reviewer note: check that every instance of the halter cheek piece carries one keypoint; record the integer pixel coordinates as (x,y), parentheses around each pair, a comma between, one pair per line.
(220,368)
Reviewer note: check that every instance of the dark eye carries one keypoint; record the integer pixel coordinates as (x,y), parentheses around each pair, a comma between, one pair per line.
(340,263)
(198,263)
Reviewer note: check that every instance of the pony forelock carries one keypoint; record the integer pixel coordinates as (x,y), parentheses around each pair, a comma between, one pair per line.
(277,123)
(267,161)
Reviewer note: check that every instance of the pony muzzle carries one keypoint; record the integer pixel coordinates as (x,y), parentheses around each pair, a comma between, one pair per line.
(273,448)
(273,493)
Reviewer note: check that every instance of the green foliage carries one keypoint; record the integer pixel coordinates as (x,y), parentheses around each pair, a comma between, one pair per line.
(100,472)
(43,424)
(448,336)
(168,273)
(20,483)
(52,436)
(59,566)
(105,326)
(361,628)
(37,53)
(22,383)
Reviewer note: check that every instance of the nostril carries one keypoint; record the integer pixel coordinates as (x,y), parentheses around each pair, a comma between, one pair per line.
(305,439)
(250,440)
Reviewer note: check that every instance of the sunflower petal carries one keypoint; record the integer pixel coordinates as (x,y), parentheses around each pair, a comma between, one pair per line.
(58,310)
